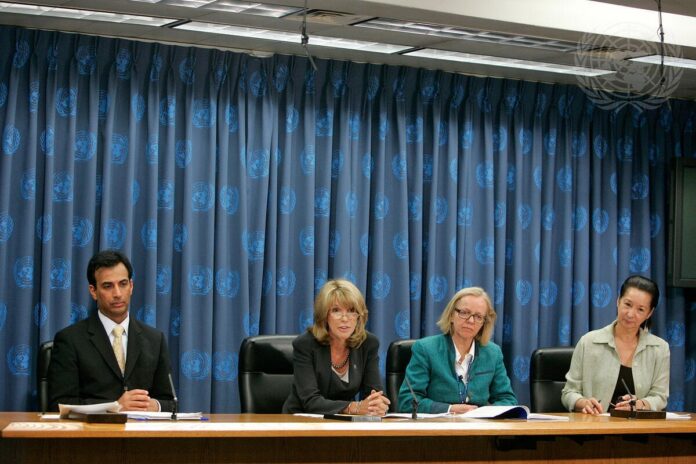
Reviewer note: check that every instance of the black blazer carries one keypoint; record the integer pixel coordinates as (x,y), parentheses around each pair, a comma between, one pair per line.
(83,368)
(313,376)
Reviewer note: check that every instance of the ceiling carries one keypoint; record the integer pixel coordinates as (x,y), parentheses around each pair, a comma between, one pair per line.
(605,33)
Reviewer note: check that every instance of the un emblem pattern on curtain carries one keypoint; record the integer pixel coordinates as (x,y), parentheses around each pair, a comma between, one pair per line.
(239,185)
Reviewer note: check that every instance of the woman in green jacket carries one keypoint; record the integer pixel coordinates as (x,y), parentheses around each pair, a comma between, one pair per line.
(460,369)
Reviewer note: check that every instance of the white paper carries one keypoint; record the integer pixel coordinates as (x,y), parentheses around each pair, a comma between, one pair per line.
(147,415)
(98,408)
(491,412)
(676,416)
(495,411)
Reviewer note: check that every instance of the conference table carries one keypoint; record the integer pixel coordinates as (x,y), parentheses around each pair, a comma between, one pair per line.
(268,438)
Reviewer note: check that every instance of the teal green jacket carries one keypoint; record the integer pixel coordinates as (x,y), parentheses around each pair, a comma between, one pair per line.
(435,382)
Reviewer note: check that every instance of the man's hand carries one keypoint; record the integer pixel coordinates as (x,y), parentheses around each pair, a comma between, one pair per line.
(137,400)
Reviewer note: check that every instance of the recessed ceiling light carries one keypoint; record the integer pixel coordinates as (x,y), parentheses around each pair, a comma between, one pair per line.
(507,62)
(314,40)
(240,31)
(231,6)
(350,44)
(669,61)
(55,12)
(460,33)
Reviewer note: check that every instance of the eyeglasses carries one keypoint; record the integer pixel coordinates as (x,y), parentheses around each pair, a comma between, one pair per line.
(338,314)
(466,315)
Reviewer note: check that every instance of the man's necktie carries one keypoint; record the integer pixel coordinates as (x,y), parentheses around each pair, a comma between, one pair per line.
(118,347)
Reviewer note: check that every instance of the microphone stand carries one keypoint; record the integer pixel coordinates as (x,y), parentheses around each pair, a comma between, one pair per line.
(176,401)
(174,398)
(414,400)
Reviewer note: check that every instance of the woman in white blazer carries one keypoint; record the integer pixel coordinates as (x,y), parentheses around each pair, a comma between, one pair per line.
(622,365)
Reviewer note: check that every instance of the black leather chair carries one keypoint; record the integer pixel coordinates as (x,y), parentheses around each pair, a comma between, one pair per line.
(547,378)
(265,373)
(43,360)
(398,356)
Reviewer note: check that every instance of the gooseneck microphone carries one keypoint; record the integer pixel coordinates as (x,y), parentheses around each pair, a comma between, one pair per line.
(632,401)
(414,400)
(176,400)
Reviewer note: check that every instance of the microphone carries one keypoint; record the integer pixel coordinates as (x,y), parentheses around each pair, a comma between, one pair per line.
(463,394)
(633,400)
(176,400)
(414,400)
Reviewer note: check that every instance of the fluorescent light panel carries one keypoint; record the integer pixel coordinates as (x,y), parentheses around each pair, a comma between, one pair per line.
(507,62)
(231,6)
(240,31)
(90,15)
(459,33)
(314,40)
(669,61)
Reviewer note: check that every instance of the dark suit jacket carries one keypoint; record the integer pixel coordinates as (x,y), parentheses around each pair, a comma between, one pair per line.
(313,376)
(83,368)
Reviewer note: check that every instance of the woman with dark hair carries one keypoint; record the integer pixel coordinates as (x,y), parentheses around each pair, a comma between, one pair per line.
(337,359)
(622,365)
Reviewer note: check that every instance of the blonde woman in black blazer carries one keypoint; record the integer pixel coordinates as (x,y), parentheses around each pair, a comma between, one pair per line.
(337,359)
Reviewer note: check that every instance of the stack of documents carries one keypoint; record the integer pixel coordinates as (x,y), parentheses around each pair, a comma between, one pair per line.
(487,412)
(99,408)
(509,412)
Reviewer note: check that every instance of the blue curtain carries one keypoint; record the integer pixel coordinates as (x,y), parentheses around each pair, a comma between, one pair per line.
(239,185)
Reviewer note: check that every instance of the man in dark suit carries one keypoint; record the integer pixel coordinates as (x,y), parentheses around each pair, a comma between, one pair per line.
(84,366)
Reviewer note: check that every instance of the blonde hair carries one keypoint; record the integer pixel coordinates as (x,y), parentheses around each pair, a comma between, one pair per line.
(344,293)
(486,331)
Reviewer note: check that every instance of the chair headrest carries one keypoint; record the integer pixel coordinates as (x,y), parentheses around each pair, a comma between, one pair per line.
(551,363)
(271,354)
(398,355)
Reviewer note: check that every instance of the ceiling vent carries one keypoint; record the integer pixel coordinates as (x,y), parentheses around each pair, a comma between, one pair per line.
(334,18)
(604,52)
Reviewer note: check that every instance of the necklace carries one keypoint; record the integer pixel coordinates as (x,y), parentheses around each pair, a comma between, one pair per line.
(340,366)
